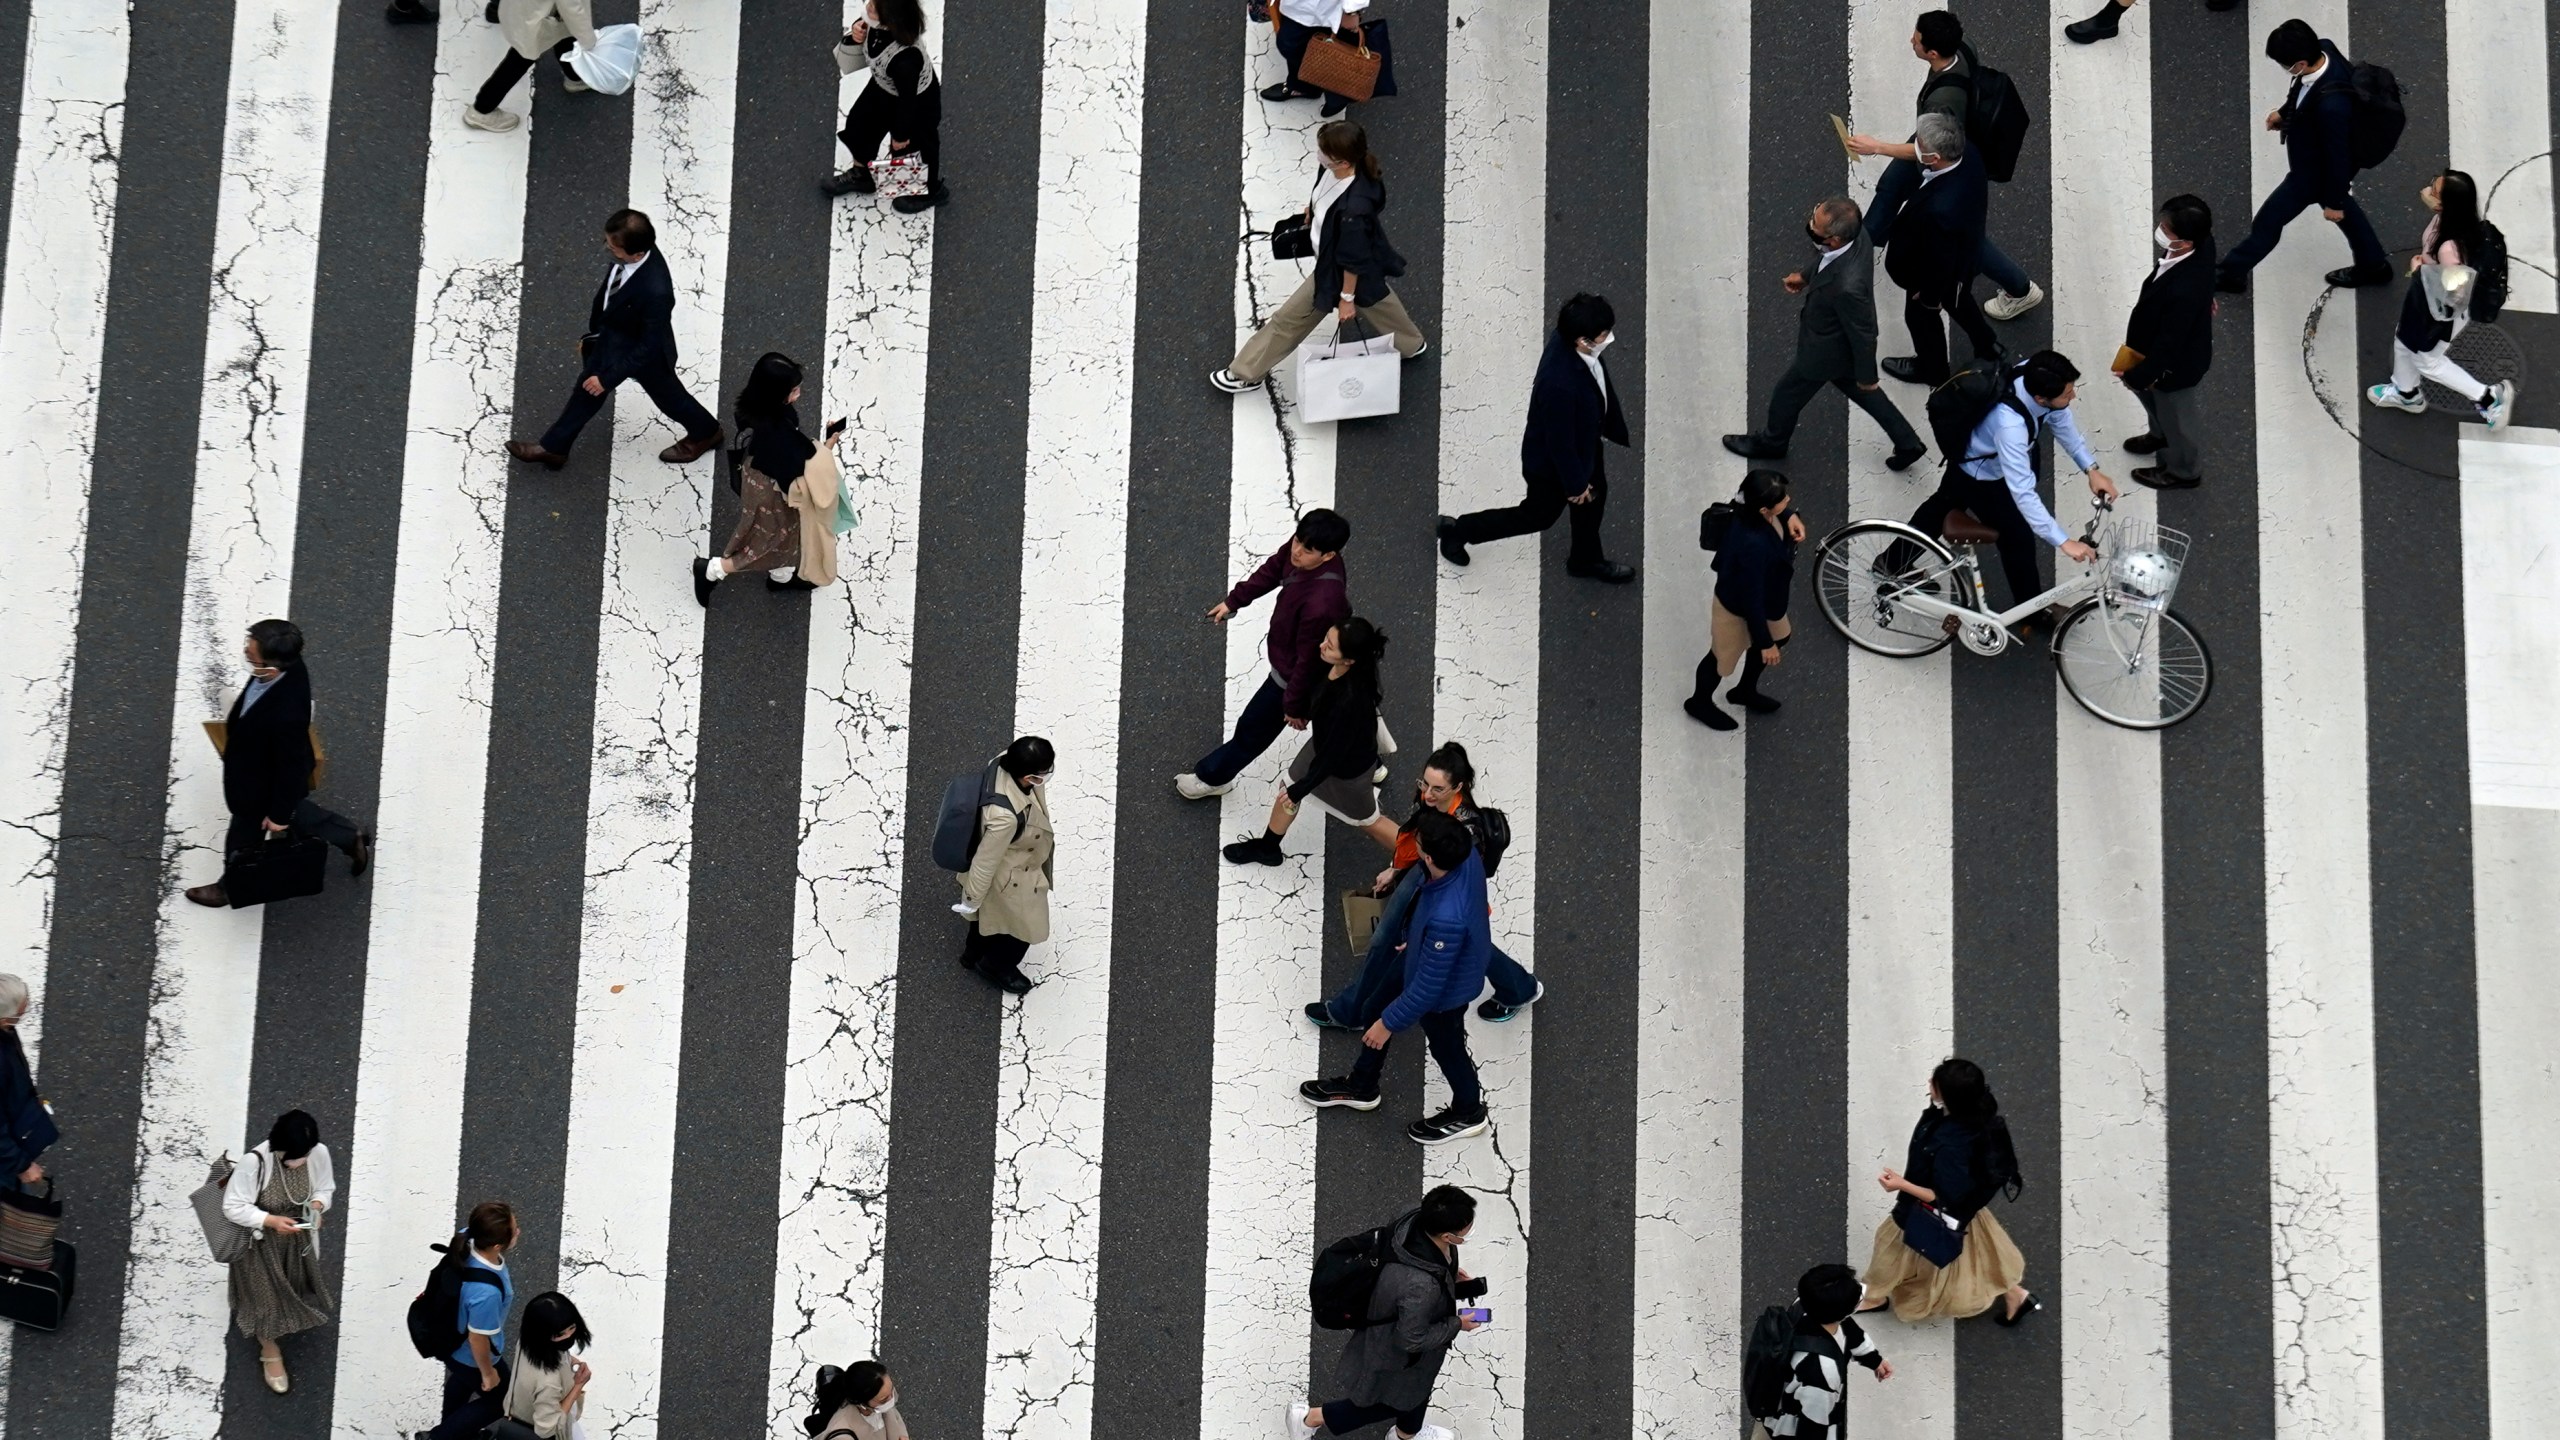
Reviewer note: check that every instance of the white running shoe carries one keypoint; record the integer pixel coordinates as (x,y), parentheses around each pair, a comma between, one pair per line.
(2502,401)
(2010,307)
(2392,397)
(1293,1423)
(1434,1432)
(496,122)
(1192,787)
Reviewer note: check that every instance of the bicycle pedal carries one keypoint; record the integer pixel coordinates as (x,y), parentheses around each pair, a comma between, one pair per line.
(1950,625)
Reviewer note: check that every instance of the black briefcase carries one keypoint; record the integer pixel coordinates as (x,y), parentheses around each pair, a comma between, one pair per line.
(283,866)
(39,1298)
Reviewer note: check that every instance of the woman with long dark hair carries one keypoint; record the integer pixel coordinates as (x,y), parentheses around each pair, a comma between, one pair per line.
(1338,766)
(547,1390)
(278,1192)
(2421,347)
(1940,1252)
(860,1403)
(1353,262)
(787,490)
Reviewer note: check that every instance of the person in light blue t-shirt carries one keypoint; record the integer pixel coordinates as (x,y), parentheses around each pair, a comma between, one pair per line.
(475,1374)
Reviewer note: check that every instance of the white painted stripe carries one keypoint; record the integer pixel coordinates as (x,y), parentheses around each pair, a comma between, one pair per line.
(1901,784)
(1262,1150)
(1494,325)
(2326,1243)
(204,984)
(2511,591)
(399,1192)
(853,800)
(2114,1172)
(2497,98)
(1688,1345)
(1048,1157)
(631,944)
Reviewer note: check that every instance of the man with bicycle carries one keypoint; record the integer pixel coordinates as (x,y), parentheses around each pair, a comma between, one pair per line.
(1995,475)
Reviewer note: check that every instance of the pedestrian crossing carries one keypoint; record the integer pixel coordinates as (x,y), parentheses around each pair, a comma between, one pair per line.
(653,950)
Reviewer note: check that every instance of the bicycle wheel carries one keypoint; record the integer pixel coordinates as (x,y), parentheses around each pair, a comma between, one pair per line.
(2143,676)
(1861,572)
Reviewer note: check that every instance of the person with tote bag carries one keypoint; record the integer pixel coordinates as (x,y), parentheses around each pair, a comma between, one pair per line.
(1354,261)
(279,1192)
(546,1393)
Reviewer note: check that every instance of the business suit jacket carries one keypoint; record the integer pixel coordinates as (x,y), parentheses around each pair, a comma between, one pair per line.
(2316,125)
(1567,421)
(637,333)
(2172,324)
(1836,325)
(1937,239)
(266,755)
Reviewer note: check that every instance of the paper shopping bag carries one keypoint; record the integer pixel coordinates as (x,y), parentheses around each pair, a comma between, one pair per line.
(1350,380)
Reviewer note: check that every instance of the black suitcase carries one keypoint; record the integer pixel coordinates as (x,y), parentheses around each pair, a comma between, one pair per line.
(281,867)
(38,1298)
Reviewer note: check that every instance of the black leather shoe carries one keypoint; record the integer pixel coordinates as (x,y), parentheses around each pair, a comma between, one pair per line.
(2145,444)
(411,12)
(794,583)
(1452,549)
(2005,1317)
(1705,711)
(1607,572)
(2101,26)
(360,859)
(935,194)
(2232,282)
(852,180)
(702,583)
(1285,91)
(2156,478)
(1905,368)
(1901,460)
(210,895)
(1752,447)
(2356,277)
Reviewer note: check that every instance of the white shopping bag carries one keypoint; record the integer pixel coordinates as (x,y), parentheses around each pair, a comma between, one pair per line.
(1349,379)
(610,67)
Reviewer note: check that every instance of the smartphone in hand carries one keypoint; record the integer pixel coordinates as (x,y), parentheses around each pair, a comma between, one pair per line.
(834,428)
(1481,1318)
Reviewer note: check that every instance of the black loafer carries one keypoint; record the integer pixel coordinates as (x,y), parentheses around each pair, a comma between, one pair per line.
(1452,549)
(2145,444)
(1607,572)
(2155,478)
(1752,447)
(360,859)
(2357,277)
(1905,368)
(702,583)
(1901,460)
(1285,91)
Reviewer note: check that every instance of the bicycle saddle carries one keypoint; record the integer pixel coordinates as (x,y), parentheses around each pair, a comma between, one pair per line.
(1960,528)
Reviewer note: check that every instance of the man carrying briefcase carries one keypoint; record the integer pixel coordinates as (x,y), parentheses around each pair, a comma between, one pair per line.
(273,847)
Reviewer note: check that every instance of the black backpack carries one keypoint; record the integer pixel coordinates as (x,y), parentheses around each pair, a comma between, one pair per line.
(2375,122)
(435,1316)
(1957,408)
(955,832)
(1768,1360)
(2489,291)
(1995,116)
(1346,1275)
(1493,836)
(1715,523)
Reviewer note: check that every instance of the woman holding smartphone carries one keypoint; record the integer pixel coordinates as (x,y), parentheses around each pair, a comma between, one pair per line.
(787,487)
(280,1191)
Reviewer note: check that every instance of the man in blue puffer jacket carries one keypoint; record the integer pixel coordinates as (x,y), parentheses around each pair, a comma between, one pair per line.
(1450,943)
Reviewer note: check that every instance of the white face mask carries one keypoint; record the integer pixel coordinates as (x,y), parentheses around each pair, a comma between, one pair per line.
(1603,343)
(2161,237)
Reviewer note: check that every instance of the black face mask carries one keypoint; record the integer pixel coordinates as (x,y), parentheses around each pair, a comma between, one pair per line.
(1820,240)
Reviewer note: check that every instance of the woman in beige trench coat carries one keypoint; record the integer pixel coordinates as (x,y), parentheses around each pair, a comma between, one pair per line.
(1005,891)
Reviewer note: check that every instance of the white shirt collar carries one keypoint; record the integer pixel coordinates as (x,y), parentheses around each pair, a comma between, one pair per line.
(2168,260)
(1830,255)
(1591,362)
(1927,174)
(2312,77)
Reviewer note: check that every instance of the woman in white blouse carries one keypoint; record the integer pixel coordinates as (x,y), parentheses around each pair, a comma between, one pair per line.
(547,1390)
(279,1192)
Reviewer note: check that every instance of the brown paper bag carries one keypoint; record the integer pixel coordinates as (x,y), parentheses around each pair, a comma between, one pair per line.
(1360,912)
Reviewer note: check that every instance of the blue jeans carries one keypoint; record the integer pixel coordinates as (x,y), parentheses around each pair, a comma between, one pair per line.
(468,1409)
(1259,725)
(1381,976)
(1902,180)
(2293,195)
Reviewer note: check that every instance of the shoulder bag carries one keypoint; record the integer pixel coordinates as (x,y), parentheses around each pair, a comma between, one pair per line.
(27,1226)
(227,1241)
(1348,69)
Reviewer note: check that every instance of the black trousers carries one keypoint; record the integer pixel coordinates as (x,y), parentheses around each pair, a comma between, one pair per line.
(1990,502)
(249,830)
(468,1409)
(1343,1416)
(1926,315)
(998,957)
(511,68)
(1538,510)
(871,118)
(664,391)
(1797,388)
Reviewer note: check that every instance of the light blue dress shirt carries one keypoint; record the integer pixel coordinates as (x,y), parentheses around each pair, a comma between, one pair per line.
(2011,441)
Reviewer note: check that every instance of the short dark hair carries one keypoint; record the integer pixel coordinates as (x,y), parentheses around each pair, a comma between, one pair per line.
(1838,218)
(1941,33)
(1443,839)
(280,641)
(2293,43)
(903,19)
(632,231)
(1828,1294)
(546,1315)
(1028,755)
(1764,488)
(2187,217)
(1446,1210)
(1586,317)
(2047,372)
(492,1222)
(293,1135)
(1323,531)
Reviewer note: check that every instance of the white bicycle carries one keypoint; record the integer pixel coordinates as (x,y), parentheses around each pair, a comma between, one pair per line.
(2123,653)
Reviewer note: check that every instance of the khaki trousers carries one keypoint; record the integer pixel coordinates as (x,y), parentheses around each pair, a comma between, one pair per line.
(1295,320)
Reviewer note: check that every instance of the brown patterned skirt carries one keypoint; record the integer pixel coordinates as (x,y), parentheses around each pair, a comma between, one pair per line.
(768,533)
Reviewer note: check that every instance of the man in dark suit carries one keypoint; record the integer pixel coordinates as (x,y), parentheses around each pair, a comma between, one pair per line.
(267,759)
(631,335)
(2172,331)
(1936,250)
(1835,340)
(1572,408)
(2315,120)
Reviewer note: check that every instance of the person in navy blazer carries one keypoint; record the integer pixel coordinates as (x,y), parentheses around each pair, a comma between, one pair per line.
(1572,408)
(267,759)
(1936,250)
(2315,122)
(631,335)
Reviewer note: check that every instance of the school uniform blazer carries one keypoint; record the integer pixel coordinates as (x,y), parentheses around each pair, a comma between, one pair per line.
(1836,326)
(266,752)
(2172,324)
(637,332)
(1568,418)
(1937,239)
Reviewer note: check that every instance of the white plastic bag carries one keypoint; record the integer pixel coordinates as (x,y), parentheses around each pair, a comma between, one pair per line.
(609,68)
(1350,379)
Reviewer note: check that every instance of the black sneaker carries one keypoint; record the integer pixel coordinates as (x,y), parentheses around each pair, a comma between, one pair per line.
(1328,1094)
(1495,1012)
(1260,850)
(1448,1125)
(1321,1012)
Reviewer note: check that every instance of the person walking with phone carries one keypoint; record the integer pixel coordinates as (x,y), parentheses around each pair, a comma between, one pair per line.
(1747,619)
(26,1122)
(787,490)
(1338,765)
(268,762)
(902,101)
(1353,262)
(1940,1251)
(1005,891)
(1390,1365)
(547,1390)
(279,1193)
(1313,590)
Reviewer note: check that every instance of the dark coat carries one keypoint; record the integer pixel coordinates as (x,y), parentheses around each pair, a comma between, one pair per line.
(1937,239)
(638,333)
(2172,324)
(1342,718)
(1310,603)
(1836,325)
(1954,1161)
(26,1127)
(266,758)
(1396,1363)
(2316,129)
(1754,571)
(1353,240)
(1567,421)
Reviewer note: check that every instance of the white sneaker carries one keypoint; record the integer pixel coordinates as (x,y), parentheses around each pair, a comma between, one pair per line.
(2502,399)
(1433,1432)
(1192,787)
(2392,397)
(496,122)
(2010,307)
(1293,1422)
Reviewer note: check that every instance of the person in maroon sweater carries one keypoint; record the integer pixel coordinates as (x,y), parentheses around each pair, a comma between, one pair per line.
(1314,597)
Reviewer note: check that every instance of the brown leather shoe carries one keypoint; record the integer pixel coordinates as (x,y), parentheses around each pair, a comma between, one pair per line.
(694,447)
(532,453)
(212,895)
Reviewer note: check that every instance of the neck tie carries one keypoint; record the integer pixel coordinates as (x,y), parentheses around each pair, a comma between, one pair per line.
(612,284)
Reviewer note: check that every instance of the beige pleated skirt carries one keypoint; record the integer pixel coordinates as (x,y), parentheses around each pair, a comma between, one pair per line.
(1919,1290)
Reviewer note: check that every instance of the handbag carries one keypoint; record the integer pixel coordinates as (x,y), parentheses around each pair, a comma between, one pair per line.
(609,68)
(38,1298)
(1932,1234)
(227,1241)
(27,1226)
(899,173)
(1715,523)
(287,865)
(1350,381)
(507,1426)
(1348,69)
(1291,239)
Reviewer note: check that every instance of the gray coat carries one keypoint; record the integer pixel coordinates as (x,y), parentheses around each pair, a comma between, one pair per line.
(1836,329)
(1396,1363)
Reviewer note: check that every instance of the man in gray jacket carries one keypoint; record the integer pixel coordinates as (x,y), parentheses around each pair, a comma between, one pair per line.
(1388,1369)
(1835,339)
